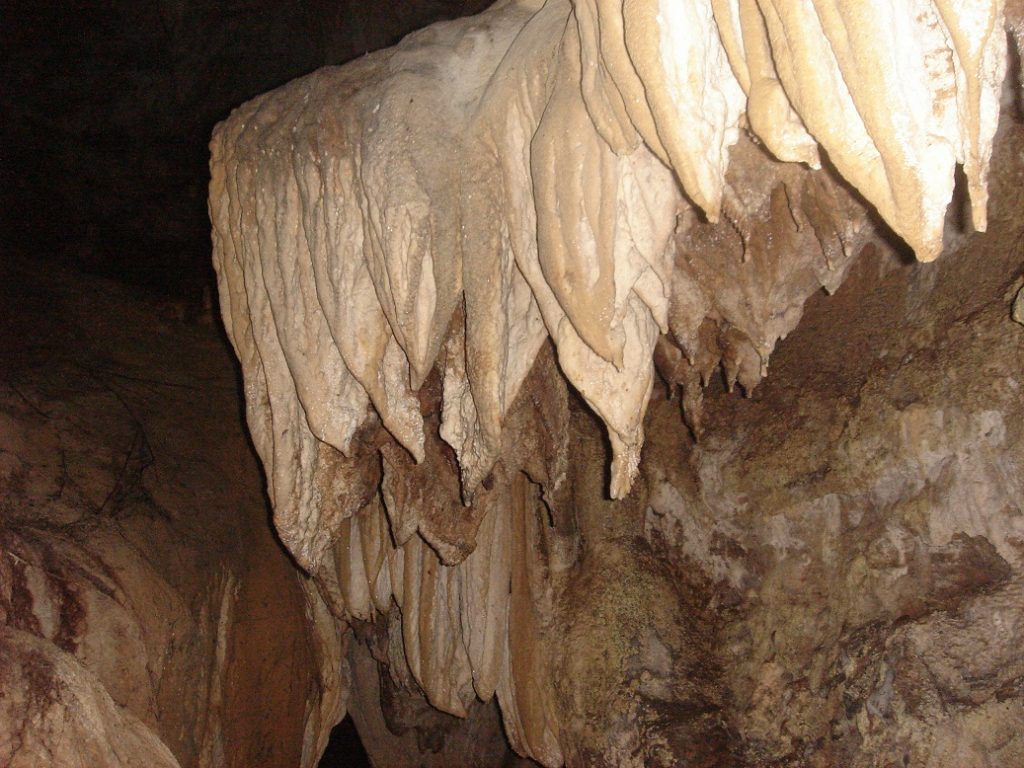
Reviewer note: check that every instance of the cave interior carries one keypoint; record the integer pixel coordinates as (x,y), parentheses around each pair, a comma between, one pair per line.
(545,382)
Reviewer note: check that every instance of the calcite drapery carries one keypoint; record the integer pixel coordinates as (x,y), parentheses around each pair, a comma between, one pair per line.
(515,177)
(514,163)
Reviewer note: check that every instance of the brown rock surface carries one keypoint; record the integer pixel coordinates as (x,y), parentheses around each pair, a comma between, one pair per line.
(858,520)
(149,618)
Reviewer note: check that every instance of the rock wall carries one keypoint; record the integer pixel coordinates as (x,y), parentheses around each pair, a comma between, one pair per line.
(451,271)
(147,615)
(856,523)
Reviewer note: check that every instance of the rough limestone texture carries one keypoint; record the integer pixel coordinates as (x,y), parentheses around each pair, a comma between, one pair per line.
(463,274)
(147,616)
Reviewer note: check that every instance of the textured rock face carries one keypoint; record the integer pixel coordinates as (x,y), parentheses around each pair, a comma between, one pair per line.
(147,616)
(858,522)
(450,271)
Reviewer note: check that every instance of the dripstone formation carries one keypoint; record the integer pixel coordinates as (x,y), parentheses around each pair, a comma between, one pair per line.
(465,278)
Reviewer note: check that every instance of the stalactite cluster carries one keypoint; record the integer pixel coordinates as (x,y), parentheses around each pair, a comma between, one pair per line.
(416,251)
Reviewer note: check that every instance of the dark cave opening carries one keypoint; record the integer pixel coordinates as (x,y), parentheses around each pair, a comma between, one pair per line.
(345,749)
(108,110)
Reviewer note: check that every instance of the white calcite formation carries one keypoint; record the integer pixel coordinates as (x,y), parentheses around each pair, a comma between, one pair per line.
(416,227)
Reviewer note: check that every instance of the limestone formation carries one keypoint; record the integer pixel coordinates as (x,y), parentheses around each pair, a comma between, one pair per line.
(524,164)
(61,713)
(436,261)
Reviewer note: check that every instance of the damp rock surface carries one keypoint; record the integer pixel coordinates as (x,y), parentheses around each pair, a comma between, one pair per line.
(147,615)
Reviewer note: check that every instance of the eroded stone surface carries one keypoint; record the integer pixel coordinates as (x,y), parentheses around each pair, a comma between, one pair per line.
(57,713)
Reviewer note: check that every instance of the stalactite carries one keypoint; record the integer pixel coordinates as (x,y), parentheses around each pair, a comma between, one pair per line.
(397,240)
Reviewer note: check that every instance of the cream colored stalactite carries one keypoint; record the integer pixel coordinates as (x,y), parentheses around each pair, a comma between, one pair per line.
(301,396)
(410,154)
(331,216)
(601,271)
(901,78)
(610,78)
(272,407)
(605,103)
(377,548)
(464,427)
(979,41)
(619,396)
(575,196)
(879,85)
(325,580)
(728,16)
(230,221)
(810,74)
(488,358)
(396,217)
(432,629)
(333,402)
(769,112)
(333,407)
(408,203)
(486,578)
(446,666)
(691,90)
(355,575)
(412,575)
(355,587)
(646,201)
(280,430)
(292,446)
(305,396)
(229,204)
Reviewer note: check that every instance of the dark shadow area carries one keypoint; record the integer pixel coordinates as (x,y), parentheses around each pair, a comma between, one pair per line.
(108,109)
(345,750)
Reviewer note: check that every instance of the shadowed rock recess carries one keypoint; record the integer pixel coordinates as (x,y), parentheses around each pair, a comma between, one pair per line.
(147,616)
(468,278)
